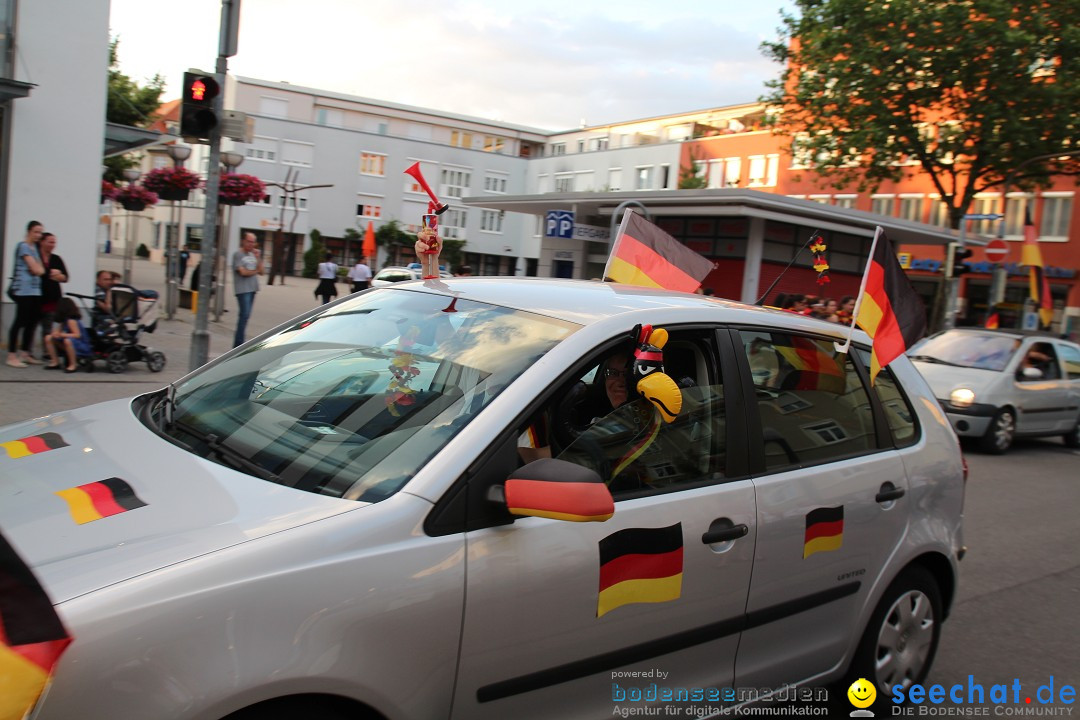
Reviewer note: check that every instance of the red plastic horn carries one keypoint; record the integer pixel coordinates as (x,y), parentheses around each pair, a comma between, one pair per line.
(435,206)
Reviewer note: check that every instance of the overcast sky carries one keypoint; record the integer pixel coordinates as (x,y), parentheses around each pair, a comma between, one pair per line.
(553,64)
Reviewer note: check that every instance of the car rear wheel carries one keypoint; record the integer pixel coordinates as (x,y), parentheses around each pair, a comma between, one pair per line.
(999,436)
(1072,439)
(901,640)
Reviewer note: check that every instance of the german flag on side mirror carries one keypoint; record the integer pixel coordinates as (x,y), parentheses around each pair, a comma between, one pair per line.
(558,490)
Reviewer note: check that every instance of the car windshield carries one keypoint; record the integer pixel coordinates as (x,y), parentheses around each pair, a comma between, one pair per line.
(986,351)
(352,401)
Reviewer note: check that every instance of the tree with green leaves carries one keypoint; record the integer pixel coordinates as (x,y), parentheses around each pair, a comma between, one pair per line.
(128,103)
(391,237)
(964,92)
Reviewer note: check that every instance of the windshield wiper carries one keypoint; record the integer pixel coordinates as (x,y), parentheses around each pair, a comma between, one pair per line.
(932,359)
(231,456)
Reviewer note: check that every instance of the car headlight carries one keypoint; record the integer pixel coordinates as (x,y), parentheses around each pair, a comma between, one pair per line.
(962,397)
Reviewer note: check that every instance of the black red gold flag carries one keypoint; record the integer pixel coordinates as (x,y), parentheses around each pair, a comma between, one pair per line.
(824,530)
(1031,256)
(32,637)
(33,445)
(889,309)
(98,500)
(640,565)
(643,254)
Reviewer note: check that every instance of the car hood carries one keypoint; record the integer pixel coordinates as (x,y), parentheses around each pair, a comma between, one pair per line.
(149,503)
(943,379)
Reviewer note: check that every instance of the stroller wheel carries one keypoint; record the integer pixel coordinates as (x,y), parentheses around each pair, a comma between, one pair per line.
(156,361)
(117,361)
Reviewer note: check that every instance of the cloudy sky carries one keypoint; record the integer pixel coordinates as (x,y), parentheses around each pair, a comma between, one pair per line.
(553,64)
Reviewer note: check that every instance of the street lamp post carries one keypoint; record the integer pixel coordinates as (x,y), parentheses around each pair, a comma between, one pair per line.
(131,175)
(231,161)
(178,153)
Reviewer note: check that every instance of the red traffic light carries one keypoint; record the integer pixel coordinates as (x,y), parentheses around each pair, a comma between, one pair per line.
(198,89)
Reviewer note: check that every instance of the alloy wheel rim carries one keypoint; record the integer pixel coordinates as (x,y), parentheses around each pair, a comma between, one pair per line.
(905,640)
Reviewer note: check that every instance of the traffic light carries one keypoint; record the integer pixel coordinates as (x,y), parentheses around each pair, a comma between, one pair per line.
(955,256)
(197,115)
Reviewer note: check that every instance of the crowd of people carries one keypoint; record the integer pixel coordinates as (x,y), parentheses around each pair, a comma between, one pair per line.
(823,308)
(36,277)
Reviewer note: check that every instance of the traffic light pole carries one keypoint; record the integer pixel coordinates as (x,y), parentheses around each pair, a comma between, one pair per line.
(952,297)
(200,336)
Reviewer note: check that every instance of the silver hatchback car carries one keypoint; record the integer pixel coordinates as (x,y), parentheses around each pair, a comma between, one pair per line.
(996,385)
(448,499)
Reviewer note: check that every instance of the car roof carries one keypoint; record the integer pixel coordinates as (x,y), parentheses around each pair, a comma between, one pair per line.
(589,301)
(1007,332)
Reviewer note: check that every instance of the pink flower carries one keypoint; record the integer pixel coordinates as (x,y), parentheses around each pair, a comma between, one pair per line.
(237,187)
(171,178)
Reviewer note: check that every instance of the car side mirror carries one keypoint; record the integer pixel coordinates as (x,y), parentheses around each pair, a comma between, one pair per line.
(1030,373)
(558,490)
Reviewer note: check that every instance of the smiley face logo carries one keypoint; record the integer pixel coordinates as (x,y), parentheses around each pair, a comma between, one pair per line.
(862,694)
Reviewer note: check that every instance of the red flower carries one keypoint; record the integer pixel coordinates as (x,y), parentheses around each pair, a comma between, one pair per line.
(171,178)
(136,194)
(108,190)
(238,187)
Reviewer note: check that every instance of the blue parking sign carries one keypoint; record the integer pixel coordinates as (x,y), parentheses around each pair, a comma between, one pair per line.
(559,224)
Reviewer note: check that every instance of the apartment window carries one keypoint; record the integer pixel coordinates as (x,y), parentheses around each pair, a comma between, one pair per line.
(644,178)
(1056,214)
(330,116)
(493,144)
(292,201)
(763,170)
(419,131)
(452,224)
(369,208)
(939,212)
(801,155)
(823,199)
(161,161)
(882,204)
(773,171)
(581,146)
(614,179)
(374,124)
(491,220)
(542,184)
(1016,206)
(264,149)
(297,153)
(372,164)
(583,181)
(732,171)
(558,149)
(984,205)
(911,207)
(460,139)
(665,176)
(564,183)
(845,201)
(273,107)
(455,183)
(598,144)
(495,183)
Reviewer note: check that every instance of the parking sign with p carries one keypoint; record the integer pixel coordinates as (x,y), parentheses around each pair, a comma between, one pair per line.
(559,224)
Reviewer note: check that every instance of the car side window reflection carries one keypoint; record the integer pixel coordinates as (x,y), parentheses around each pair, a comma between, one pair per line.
(898,411)
(812,405)
(1070,356)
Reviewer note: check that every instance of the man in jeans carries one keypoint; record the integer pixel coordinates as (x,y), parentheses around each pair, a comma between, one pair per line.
(247,264)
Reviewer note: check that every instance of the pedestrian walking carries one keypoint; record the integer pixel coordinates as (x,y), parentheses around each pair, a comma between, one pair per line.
(360,274)
(327,288)
(247,264)
(25,292)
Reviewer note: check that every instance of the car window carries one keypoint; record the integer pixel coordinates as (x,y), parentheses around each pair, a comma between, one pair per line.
(1070,357)
(812,406)
(898,411)
(1042,357)
(983,350)
(353,401)
(630,446)
(395,275)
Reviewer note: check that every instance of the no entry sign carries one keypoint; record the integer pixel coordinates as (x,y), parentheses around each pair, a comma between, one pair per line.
(996,250)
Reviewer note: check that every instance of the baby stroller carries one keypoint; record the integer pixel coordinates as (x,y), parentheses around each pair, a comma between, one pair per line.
(114,336)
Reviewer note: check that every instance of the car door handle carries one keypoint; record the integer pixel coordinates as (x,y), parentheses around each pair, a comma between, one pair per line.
(724,534)
(890,494)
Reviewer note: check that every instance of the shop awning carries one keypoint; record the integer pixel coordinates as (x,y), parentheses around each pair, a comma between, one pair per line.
(120,139)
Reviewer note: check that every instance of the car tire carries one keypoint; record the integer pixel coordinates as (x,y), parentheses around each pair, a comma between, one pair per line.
(902,637)
(1000,434)
(290,708)
(1072,438)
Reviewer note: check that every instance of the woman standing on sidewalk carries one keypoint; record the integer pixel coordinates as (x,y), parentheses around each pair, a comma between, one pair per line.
(327,288)
(51,292)
(26,292)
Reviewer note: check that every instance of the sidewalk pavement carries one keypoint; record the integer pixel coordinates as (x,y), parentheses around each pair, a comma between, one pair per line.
(31,392)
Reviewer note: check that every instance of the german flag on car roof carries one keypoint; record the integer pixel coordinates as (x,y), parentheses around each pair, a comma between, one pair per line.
(31,636)
(889,309)
(643,254)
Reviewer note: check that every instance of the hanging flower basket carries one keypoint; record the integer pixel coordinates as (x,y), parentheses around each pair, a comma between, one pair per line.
(171,183)
(135,197)
(237,189)
(108,190)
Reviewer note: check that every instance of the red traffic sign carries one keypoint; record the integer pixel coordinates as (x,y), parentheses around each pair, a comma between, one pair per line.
(996,250)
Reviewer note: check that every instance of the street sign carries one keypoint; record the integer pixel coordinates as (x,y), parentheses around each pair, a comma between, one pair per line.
(559,224)
(996,250)
(984,216)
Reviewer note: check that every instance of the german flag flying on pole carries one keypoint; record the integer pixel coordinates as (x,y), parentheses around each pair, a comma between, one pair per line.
(1031,256)
(31,636)
(888,309)
(643,254)
(640,565)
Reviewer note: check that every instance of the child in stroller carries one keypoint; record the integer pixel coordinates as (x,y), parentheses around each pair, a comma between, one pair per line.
(115,330)
(68,337)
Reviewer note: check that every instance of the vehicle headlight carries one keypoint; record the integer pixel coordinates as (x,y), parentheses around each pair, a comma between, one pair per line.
(962,397)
